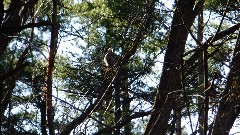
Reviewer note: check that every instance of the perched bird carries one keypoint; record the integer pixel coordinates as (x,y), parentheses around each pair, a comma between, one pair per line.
(109,58)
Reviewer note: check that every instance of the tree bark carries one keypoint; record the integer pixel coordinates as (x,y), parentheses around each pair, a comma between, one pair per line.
(229,105)
(50,68)
(200,73)
(170,81)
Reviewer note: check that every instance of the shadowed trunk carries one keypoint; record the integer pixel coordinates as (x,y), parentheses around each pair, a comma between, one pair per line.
(50,68)
(229,106)
(170,81)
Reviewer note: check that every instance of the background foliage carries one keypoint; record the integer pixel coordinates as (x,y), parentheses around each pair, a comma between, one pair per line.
(88,97)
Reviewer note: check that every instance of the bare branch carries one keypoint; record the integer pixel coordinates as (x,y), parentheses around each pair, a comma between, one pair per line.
(29,25)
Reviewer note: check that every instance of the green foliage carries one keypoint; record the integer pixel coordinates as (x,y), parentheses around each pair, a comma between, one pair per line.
(87,29)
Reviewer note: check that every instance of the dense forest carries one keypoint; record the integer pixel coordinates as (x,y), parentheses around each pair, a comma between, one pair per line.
(119,67)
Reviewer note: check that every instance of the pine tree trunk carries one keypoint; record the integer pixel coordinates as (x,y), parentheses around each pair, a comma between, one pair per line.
(50,68)
(117,105)
(170,80)
(43,117)
(1,112)
(229,109)
(178,111)
(200,74)
(126,101)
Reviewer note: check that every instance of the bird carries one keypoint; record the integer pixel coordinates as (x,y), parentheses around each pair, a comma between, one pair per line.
(109,58)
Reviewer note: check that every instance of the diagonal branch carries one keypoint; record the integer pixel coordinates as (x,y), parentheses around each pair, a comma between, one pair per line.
(123,122)
(141,33)
(220,25)
(92,108)
(218,36)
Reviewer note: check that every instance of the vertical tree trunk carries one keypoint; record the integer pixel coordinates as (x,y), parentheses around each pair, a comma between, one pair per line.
(42,107)
(170,80)
(178,111)
(126,101)
(50,68)
(41,103)
(1,98)
(117,106)
(200,73)
(206,100)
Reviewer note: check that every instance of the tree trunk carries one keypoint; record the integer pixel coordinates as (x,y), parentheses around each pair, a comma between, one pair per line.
(229,106)
(42,107)
(203,79)
(50,68)
(126,101)
(200,73)
(206,94)
(117,105)
(1,113)
(170,81)
(178,111)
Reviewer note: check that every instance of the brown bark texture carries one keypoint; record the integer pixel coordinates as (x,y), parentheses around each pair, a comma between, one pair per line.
(229,106)
(170,81)
(50,68)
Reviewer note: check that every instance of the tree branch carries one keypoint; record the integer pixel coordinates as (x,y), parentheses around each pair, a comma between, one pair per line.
(218,36)
(92,108)
(124,122)
(29,25)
